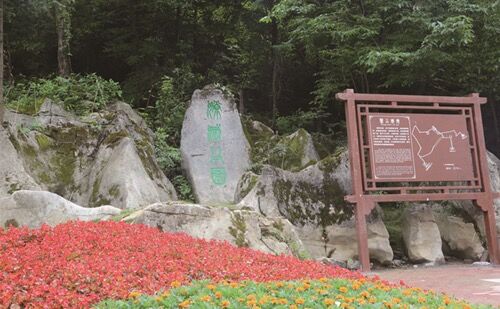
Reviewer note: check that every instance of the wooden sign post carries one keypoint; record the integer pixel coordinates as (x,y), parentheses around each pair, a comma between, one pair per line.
(417,148)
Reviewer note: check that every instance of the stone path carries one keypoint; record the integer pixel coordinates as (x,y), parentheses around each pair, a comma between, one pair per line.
(475,284)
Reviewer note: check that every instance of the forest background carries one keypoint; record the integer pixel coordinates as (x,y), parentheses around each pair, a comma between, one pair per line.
(284,60)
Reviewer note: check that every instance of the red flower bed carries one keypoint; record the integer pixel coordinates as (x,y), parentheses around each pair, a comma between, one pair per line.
(78,264)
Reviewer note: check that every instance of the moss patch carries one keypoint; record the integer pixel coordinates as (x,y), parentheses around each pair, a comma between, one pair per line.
(238,229)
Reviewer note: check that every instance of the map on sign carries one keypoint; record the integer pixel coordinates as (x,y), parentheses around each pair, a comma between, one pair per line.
(425,150)
(419,147)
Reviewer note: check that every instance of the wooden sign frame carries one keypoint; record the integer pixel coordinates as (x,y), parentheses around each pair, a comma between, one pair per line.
(380,180)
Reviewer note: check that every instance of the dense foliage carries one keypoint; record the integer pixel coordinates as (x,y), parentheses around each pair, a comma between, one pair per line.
(77,264)
(76,93)
(322,293)
(278,56)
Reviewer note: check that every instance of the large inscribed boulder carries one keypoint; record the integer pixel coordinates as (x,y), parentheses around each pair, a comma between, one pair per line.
(215,151)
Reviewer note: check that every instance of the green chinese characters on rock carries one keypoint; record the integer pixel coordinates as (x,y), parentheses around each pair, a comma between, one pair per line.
(214,133)
(218,173)
(214,110)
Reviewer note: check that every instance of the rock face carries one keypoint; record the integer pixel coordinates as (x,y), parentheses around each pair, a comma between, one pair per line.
(421,234)
(105,158)
(34,208)
(13,175)
(214,149)
(313,200)
(239,227)
(460,238)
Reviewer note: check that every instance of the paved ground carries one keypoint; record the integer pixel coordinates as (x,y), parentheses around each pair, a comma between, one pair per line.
(476,284)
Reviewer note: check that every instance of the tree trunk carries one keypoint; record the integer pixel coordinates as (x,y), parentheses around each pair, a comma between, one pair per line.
(63,37)
(276,68)
(2,103)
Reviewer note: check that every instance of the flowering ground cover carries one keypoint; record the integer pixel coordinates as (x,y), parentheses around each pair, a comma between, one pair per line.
(78,264)
(322,293)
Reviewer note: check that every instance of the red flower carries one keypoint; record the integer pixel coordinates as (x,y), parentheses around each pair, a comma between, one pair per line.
(80,263)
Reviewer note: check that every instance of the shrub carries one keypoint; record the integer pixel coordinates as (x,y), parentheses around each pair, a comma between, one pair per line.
(81,94)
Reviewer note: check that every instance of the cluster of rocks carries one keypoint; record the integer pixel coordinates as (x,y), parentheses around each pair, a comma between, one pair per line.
(254,188)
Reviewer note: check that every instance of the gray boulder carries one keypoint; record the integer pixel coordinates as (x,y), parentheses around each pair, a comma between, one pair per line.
(421,234)
(239,227)
(301,151)
(35,208)
(123,180)
(214,149)
(460,237)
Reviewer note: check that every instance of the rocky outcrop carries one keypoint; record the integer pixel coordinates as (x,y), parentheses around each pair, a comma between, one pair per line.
(239,227)
(104,158)
(421,234)
(313,201)
(35,208)
(214,149)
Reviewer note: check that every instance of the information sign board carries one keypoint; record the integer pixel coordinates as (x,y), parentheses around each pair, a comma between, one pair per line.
(417,148)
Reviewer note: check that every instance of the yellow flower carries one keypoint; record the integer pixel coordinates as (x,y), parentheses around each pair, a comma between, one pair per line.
(218,295)
(264,300)
(211,287)
(356,286)
(282,301)
(323,280)
(372,300)
(251,297)
(280,284)
(185,304)
(299,301)
(407,292)
(134,294)
(225,304)
(329,301)
(396,300)
(343,289)
(293,307)
(175,284)
(364,294)
(233,284)
(251,302)
(421,300)
(206,298)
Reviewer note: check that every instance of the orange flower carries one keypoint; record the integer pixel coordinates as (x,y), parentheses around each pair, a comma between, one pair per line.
(343,289)
(218,295)
(329,301)
(175,284)
(225,304)
(211,287)
(299,301)
(185,304)
(206,298)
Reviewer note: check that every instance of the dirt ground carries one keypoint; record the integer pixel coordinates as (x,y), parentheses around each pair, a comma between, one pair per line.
(475,284)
